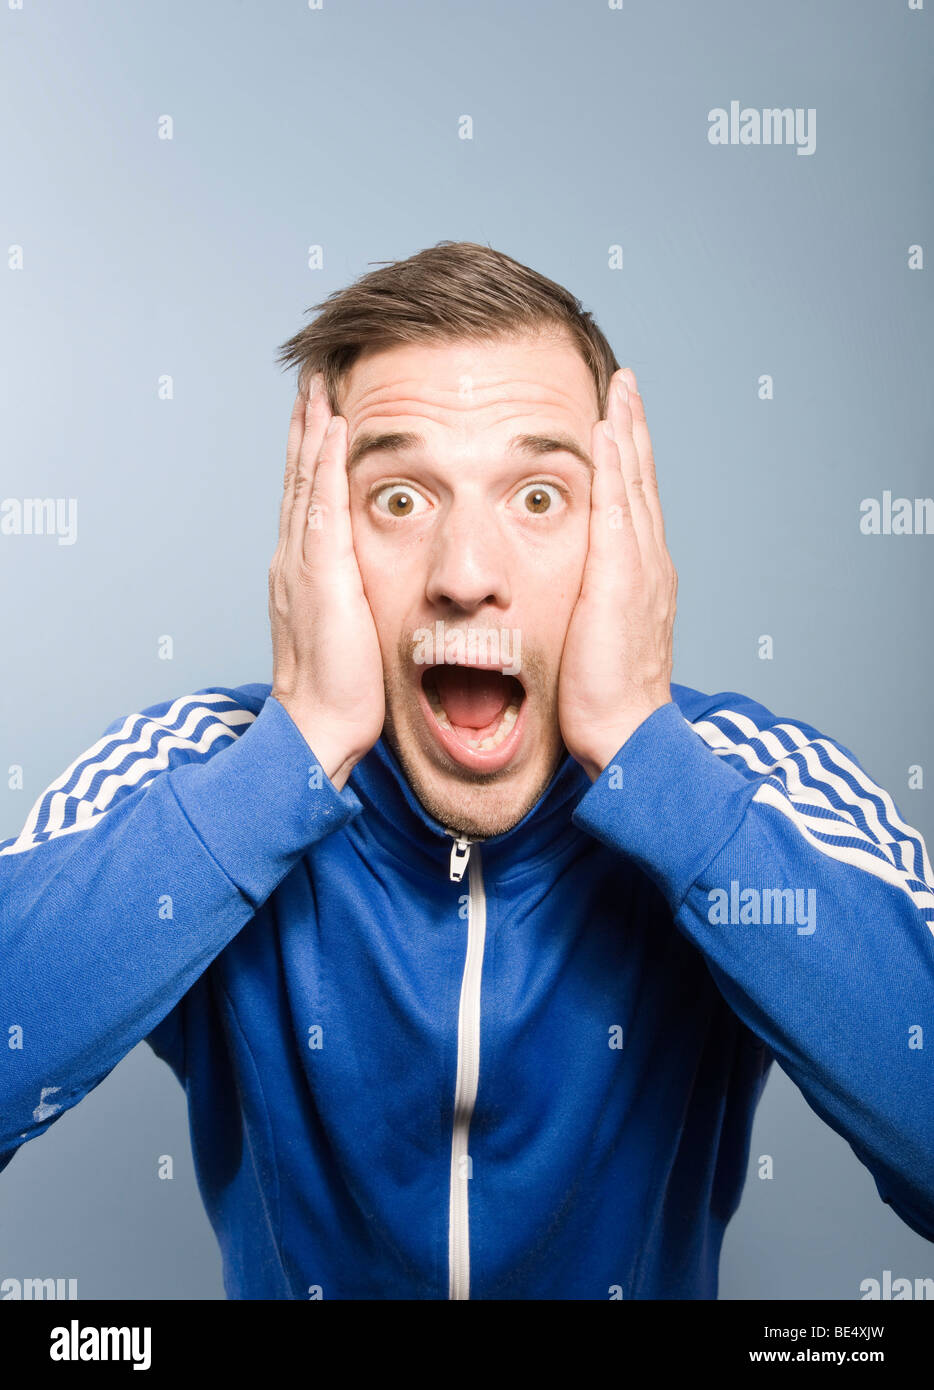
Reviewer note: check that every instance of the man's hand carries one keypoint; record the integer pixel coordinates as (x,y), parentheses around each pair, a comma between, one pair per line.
(616,663)
(327,668)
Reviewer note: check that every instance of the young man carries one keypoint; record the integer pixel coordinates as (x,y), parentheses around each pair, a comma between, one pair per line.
(472,938)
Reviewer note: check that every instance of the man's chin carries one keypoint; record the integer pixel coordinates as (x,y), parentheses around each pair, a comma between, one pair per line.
(476,805)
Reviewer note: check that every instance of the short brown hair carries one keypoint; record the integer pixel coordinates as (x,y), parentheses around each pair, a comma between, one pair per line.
(453,290)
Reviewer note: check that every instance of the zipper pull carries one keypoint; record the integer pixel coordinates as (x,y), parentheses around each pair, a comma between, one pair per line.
(460,853)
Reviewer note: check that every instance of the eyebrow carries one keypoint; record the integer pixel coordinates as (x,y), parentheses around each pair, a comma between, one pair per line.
(531,445)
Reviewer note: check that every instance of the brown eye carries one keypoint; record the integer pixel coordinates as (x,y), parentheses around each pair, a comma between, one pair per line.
(398,501)
(539,498)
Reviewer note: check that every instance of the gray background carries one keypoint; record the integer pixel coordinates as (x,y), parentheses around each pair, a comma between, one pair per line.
(339,127)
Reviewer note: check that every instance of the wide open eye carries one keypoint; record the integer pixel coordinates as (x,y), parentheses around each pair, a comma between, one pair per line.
(539,499)
(399,500)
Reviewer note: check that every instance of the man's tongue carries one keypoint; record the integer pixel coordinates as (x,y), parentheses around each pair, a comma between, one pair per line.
(473,700)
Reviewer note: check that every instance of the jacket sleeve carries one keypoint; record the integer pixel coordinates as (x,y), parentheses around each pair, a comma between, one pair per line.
(134,869)
(813,904)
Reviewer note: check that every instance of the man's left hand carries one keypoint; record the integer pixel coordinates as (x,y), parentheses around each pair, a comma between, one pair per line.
(617,658)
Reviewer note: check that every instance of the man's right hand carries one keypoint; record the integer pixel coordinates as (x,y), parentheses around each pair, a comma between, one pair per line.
(327,668)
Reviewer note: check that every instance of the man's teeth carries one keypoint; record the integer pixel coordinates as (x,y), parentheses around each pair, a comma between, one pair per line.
(437,707)
(510,715)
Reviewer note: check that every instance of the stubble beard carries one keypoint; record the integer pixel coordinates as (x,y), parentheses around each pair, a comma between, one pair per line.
(478,805)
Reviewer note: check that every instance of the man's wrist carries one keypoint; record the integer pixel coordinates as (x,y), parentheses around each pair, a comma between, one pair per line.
(337,773)
(603,746)
(328,746)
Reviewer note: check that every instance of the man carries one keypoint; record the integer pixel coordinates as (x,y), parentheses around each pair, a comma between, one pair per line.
(472,938)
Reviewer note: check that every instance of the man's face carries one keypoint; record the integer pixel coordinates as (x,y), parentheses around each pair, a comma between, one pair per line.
(471,547)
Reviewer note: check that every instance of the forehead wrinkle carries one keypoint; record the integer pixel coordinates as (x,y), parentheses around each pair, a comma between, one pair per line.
(547,393)
(503,398)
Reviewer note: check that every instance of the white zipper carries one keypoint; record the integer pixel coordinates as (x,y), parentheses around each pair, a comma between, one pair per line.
(468,1067)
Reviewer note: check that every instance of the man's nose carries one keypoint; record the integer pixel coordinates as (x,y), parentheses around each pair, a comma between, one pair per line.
(469,563)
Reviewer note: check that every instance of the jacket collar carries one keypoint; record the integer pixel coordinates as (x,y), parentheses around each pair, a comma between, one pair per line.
(397,819)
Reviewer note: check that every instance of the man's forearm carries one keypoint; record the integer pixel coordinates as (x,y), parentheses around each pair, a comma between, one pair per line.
(811,901)
(103,928)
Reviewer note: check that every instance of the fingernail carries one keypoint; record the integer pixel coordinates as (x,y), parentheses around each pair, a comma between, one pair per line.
(608,430)
(622,390)
(633,384)
(314,386)
(332,425)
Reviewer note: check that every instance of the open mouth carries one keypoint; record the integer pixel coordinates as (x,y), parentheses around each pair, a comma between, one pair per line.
(478,713)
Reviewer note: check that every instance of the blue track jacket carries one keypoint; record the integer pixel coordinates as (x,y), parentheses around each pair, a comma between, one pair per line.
(523,1068)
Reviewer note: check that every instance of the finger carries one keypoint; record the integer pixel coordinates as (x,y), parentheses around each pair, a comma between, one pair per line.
(317,418)
(329,530)
(612,533)
(619,413)
(292,450)
(643,442)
